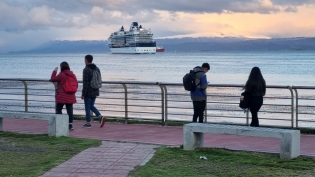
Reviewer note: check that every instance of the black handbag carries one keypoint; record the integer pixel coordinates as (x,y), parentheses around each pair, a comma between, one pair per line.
(244,100)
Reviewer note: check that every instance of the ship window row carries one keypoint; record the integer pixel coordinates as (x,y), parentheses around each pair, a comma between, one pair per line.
(153,50)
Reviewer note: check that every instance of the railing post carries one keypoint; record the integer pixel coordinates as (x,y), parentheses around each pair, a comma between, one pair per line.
(247,116)
(165,106)
(296,108)
(126,103)
(292,106)
(162,104)
(55,85)
(206,111)
(25,96)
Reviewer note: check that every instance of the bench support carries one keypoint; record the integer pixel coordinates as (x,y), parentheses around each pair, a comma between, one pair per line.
(58,126)
(192,140)
(289,145)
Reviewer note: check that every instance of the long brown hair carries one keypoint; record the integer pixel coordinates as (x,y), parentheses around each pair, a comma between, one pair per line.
(255,78)
(64,66)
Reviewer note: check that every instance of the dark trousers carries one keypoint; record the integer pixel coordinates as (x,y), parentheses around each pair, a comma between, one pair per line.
(69,107)
(255,103)
(199,108)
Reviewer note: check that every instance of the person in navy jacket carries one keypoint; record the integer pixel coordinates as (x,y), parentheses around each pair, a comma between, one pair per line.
(199,96)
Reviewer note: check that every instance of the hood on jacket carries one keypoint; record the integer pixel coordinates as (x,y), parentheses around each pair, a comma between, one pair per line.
(92,66)
(198,69)
(68,72)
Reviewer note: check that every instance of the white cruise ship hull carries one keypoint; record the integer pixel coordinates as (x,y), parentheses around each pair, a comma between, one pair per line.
(134,50)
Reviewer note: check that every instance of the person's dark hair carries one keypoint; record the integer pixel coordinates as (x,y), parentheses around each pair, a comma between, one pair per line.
(89,58)
(206,65)
(64,66)
(256,82)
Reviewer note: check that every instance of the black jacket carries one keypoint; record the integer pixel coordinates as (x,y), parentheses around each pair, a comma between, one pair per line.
(256,89)
(87,90)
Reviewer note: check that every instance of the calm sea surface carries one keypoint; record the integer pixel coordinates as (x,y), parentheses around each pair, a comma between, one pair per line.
(278,68)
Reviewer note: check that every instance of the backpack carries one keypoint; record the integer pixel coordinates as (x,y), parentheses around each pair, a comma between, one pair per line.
(189,81)
(96,81)
(244,100)
(71,84)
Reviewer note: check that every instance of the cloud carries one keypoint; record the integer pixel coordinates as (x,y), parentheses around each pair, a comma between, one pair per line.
(291,9)
(20,18)
(21,15)
(100,16)
(201,6)
(2,42)
(293,2)
(27,23)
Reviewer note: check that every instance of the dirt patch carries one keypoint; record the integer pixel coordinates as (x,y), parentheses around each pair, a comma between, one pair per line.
(13,147)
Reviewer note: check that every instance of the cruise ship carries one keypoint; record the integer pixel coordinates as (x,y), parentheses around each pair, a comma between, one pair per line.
(136,40)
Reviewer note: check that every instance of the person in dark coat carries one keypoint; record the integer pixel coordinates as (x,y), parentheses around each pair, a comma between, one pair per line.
(89,94)
(199,96)
(63,98)
(256,87)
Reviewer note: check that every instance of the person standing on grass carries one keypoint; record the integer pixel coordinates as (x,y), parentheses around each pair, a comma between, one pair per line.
(63,96)
(256,87)
(92,82)
(199,96)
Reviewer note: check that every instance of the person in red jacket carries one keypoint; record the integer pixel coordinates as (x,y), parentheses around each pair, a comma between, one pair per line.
(63,98)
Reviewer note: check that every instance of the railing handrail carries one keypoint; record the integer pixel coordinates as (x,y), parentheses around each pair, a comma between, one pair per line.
(165,94)
(164,83)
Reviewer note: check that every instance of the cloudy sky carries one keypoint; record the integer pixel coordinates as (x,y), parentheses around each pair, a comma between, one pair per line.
(25,24)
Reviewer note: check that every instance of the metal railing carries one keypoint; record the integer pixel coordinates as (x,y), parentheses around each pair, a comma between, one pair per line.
(284,106)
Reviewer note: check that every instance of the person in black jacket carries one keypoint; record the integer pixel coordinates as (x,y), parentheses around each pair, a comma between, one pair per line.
(89,94)
(256,87)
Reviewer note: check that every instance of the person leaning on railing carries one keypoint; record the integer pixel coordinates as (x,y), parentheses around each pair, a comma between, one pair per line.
(199,96)
(256,87)
(62,97)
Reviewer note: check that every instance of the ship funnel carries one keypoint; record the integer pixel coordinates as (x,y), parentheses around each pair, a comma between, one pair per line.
(135,24)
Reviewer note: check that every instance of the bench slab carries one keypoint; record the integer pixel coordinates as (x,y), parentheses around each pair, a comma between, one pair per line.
(289,139)
(57,123)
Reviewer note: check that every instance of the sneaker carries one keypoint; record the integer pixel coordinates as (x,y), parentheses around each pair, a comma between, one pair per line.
(70,127)
(102,121)
(87,125)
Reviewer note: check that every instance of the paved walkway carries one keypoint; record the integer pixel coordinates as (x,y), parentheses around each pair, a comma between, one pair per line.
(111,159)
(153,134)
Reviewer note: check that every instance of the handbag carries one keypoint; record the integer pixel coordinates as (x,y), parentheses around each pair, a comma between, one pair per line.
(244,100)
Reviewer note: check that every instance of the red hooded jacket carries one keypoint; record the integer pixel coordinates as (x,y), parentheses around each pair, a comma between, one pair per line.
(61,95)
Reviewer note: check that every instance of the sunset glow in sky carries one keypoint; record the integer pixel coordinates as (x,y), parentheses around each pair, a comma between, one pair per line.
(25,24)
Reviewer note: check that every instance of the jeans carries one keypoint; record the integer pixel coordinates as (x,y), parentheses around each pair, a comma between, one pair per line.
(89,106)
(69,107)
(199,108)
(254,105)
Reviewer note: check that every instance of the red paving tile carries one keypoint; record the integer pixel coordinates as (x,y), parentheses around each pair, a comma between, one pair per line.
(159,135)
(92,165)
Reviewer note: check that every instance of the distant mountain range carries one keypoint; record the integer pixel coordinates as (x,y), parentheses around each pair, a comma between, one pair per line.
(186,45)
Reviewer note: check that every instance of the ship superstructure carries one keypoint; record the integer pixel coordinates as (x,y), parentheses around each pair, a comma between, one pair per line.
(136,40)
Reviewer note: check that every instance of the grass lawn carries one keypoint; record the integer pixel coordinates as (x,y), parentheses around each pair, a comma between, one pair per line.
(33,155)
(175,162)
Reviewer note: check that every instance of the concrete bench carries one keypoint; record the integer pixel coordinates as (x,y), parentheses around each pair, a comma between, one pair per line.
(289,139)
(58,124)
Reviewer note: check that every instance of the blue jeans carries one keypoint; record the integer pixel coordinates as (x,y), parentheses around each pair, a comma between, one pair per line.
(89,106)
